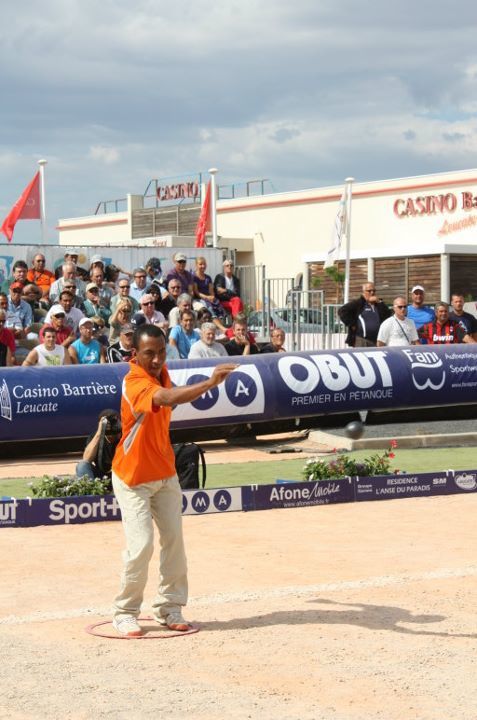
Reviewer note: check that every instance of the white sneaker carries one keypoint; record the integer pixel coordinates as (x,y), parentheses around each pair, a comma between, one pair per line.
(174,621)
(127,625)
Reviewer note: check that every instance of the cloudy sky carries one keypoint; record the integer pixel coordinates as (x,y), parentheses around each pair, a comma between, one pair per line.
(303,92)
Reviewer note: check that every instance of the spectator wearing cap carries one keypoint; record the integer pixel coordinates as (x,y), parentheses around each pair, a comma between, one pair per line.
(124,287)
(417,311)
(96,261)
(183,336)
(180,273)
(207,347)
(19,313)
(39,275)
(153,316)
(65,334)
(69,272)
(86,350)
(363,317)
(467,321)
(105,292)
(49,352)
(120,317)
(71,255)
(442,330)
(7,342)
(19,274)
(138,286)
(72,314)
(122,350)
(227,289)
(93,305)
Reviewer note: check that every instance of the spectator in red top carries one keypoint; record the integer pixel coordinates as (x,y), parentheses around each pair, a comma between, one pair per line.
(39,275)
(227,289)
(442,330)
(64,333)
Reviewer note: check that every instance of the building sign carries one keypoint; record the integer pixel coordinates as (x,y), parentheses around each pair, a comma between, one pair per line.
(178,191)
(428,205)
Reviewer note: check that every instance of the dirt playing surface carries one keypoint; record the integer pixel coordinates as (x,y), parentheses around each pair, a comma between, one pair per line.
(345,612)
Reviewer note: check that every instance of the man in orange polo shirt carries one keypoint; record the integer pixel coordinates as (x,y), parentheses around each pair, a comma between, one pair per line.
(39,275)
(146,485)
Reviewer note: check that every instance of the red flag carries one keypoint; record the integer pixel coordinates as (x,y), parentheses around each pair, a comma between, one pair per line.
(27,207)
(203,223)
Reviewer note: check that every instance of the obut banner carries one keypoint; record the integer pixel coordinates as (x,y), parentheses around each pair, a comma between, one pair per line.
(64,402)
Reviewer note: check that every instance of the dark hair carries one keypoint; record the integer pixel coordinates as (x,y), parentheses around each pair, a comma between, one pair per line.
(20,264)
(203,311)
(114,420)
(110,271)
(147,330)
(183,313)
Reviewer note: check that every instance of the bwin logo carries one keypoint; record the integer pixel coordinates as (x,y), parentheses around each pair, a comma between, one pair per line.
(427,369)
(5,402)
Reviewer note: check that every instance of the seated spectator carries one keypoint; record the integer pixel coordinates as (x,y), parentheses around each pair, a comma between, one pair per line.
(467,321)
(207,347)
(86,350)
(229,333)
(19,274)
(100,333)
(39,275)
(181,274)
(442,330)
(48,352)
(32,295)
(419,313)
(93,305)
(69,272)
(120,317)
(19,313)
(277,339)
(183,336)
(227,289)
(78,302)
(72,314)
(184,302)
(169,301)
(7,343)
(105,292)
(100,447)
(154,272)
(124,287)
(65,334)
(138,287)
(72,256)
(204,293)
(122,350)
(240,343)
(153,316)
(398,330)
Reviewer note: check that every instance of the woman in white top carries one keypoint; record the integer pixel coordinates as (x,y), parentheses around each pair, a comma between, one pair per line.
(48,353)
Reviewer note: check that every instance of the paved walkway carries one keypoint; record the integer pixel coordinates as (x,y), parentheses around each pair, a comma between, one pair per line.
(262,449)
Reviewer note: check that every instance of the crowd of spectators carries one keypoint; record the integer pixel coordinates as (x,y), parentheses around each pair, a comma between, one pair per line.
(370,322)
(79,315)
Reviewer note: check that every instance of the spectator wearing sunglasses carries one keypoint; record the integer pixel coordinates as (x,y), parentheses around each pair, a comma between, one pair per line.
(180,273)
(363,317)
(153,316)
(398,330)
(124,292)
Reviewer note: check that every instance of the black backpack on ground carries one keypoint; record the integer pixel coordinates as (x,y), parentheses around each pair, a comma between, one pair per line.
(188,458)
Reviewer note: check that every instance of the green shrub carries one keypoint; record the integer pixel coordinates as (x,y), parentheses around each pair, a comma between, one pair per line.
(343,466)
(68,485)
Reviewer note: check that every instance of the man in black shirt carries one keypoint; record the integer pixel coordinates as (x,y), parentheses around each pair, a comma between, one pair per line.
(467,321)
(122,350)
(240,343)
(101,446)
(363,317)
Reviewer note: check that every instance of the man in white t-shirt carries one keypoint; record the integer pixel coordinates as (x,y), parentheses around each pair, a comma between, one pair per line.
(48,353)
(398,330)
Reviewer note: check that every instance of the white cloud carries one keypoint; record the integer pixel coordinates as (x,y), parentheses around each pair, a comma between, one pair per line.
(107,155)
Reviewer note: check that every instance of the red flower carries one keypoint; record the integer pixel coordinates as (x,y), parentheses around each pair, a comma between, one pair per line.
(393,443)
(391,455)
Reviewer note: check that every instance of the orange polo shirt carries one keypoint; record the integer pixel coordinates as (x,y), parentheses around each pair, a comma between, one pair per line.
(144,452)
(43,279)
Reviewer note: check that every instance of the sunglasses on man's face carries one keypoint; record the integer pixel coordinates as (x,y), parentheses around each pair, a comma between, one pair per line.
(147,303)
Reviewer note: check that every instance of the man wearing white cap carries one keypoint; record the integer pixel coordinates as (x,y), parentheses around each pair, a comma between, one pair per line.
(181,274)
(86,350)
(419,313)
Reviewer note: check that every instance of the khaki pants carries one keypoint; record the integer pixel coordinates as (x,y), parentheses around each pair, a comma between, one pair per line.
(161,500)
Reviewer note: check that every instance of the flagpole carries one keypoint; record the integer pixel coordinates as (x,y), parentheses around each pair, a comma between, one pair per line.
(213,206)
(349,182)
(44,231)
